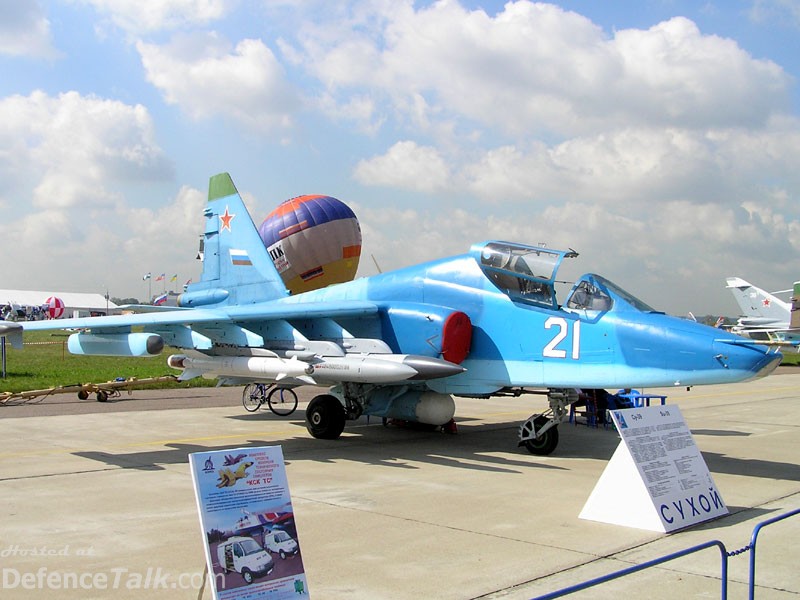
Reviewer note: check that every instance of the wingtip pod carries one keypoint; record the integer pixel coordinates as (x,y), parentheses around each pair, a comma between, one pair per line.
(13,331)
(115,344)
(220,186)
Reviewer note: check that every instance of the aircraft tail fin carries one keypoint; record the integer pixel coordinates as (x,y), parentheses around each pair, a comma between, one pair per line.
(794,322)
(237,268)
(756,303)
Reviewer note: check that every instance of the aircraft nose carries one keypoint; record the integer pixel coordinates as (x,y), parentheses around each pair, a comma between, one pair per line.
(744,356)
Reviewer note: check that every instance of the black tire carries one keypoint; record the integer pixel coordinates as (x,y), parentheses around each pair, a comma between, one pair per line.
(325,417)
(545,443)
(102,396)
(252,397)
(83,395)
(247,576)
(282,401)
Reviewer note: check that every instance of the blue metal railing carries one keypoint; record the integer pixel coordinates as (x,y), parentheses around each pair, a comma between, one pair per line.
(657,561)
(752,546)
(646,565)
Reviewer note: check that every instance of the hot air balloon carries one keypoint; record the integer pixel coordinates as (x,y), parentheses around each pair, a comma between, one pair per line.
(54,306)
(314,241)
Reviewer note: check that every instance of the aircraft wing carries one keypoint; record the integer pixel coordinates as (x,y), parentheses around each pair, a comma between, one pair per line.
(183,320)
(149,308)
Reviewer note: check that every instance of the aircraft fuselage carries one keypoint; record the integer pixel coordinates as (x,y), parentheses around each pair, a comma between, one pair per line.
(517,344)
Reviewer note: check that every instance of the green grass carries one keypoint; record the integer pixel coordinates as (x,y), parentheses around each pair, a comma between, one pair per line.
(790,357)
(45,362)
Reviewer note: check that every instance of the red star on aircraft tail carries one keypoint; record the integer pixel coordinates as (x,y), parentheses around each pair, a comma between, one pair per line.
(765,302)
(226,219)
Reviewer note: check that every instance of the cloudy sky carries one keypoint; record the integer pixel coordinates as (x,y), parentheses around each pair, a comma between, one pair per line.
(659,138)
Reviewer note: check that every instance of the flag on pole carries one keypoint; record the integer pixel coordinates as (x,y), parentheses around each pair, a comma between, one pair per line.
(160,277)
(146,277)
(160,300)
(174,278)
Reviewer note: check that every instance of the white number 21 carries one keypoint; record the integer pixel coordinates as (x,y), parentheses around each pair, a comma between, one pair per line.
(562,324)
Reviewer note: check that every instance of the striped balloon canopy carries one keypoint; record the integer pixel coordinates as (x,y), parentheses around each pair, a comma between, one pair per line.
(314,241)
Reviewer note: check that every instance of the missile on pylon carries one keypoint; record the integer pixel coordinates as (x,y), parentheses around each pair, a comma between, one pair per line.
(253,367)
(384,368)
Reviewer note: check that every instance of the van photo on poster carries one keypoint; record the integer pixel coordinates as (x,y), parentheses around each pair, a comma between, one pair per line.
(247,519)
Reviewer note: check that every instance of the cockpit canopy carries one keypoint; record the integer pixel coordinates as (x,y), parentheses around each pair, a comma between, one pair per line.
(524,273)
(596,293)
(527,274)
(588,296)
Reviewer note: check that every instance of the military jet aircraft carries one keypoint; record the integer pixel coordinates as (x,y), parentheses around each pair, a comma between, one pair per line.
(766,317)
(401,344)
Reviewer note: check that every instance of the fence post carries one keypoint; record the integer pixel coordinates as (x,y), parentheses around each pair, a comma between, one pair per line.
(753,540)
(646,565)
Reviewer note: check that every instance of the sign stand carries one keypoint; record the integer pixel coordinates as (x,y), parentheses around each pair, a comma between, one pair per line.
(247,521)
(657,479)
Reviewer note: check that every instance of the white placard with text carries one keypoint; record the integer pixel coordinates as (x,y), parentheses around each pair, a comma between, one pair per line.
(657,479)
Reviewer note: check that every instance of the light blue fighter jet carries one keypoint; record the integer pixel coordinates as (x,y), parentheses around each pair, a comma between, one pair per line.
(400,345)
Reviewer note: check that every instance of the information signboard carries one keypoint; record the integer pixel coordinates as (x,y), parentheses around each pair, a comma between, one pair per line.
(247,520)
(657,478)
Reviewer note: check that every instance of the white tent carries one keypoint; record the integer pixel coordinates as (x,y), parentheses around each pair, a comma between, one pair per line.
(75,304)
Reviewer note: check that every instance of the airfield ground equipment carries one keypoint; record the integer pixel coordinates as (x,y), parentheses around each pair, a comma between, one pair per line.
(103,391)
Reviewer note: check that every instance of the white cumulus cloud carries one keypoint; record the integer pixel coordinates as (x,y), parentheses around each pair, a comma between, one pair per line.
(25,30)
(65,161)
(535,67)
(405,165)
(204,76)
(146,16)
(74,148)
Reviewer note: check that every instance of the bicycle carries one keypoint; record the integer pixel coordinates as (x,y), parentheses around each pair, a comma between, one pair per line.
(281,401)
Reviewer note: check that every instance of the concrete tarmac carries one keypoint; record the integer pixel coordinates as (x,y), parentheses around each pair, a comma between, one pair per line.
(106,497)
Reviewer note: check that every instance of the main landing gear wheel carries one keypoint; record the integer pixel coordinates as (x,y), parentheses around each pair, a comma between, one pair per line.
(325,417)
(545,443)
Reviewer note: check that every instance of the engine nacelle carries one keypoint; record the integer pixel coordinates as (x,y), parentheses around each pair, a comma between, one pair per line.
(426,407)
(202,297)
(115,344)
